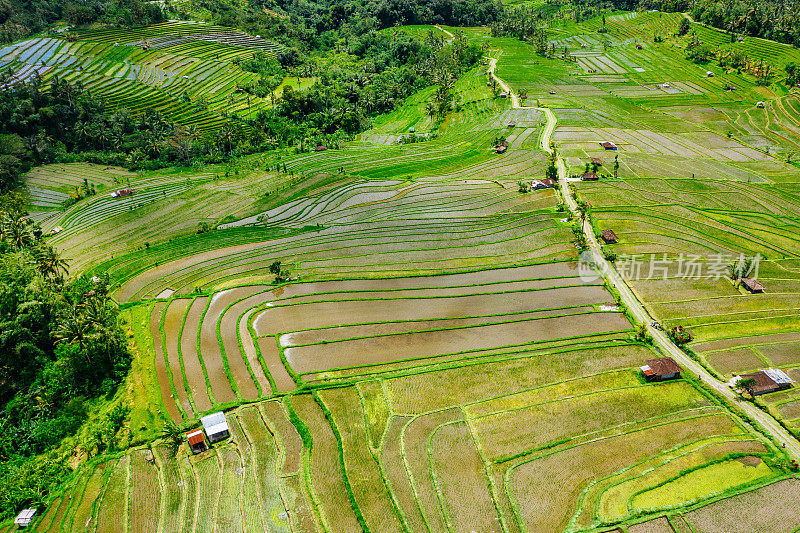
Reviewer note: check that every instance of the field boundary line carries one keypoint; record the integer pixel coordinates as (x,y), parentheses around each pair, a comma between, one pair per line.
(186,385)
(252,332)
(175,397)
(198,334)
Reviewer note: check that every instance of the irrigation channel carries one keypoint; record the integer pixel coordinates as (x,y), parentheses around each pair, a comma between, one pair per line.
(610,274)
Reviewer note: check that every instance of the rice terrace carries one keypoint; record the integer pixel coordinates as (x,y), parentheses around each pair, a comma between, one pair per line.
(458,266)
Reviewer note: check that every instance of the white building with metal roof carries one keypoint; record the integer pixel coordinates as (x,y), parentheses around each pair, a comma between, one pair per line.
(216,426)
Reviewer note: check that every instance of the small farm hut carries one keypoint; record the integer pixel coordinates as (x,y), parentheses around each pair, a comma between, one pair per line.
(639,47)
(122,193)
(216,426)
(760,104)
(767,380)
(753,285)
(709,74)
(597,161)
(660,369)
(197,441)
(608,145)
(609,236)
(24,518)
(512,123)
(320,148)
(503,94)
(590,176)
(542,184)
(552,91)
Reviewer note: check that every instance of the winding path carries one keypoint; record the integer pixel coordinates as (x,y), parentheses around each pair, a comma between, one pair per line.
(790,444)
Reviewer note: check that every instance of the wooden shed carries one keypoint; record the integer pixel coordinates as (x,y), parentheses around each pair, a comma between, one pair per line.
(597,161)
(197,441)
(768,380)
(609,236)
(660,369)
(608,145)
(752,285)
(589,176)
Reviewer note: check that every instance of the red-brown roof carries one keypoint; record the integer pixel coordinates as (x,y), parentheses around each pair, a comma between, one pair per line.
(663,366)
(589,176)
(597,161)
(753,285)
(763,384)
(608,145)
(195,437)
(609,235)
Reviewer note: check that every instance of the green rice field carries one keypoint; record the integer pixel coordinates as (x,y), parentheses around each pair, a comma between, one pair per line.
(436,361)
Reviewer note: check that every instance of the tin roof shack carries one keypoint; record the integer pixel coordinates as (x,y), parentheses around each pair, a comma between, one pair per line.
(24,518)
(661,369)
(752,285)
(767,380)
(216,426)
(546,183)
(609,236)
(197,441)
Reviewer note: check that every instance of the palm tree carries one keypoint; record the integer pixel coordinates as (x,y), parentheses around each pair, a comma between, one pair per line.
(49,263)
(73,328)
(18,231)
(430,108)
(103,136)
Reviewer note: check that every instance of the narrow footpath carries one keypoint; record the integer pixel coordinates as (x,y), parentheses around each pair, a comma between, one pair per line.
(661,340)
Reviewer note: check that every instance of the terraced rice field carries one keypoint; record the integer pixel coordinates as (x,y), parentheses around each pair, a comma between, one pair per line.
(666,225)
(151,68)
(269,474)
(437,363)
(244,343)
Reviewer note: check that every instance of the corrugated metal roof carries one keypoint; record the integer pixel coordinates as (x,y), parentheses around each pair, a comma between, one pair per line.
(217,429)
(195,437)
(24,518)
(778,376)
(213,419)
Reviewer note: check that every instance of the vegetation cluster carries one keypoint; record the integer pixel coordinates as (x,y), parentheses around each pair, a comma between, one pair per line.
(19,18)
(61,347)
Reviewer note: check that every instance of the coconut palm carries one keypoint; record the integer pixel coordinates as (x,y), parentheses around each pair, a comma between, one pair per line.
(74,328)
(49,263)
(18,231)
